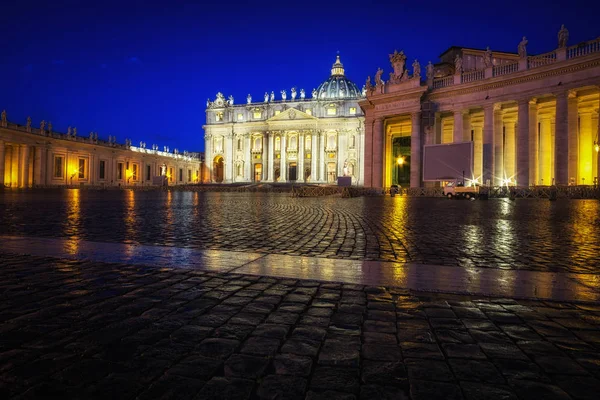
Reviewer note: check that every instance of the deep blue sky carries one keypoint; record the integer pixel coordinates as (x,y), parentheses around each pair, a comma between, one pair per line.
(144,69)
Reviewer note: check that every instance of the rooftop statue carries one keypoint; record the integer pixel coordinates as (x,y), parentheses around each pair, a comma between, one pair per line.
(249,98)
(28,123)
(487,57)
(563,37)
(378,81)
(398,60)
(42,126)
(293,93)
(4,117)
(50,127)
(272,98)
(364,90)
(302,94)
(522,50)
(458,64)
(429,70)
(368,85)
(74,132)
(266,97)
(230,100)
(283,95)
(69,131)
(416,69)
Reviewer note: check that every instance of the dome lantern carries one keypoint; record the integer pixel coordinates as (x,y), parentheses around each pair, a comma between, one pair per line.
(337,86)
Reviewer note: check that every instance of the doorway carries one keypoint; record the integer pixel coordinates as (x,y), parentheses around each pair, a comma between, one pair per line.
(218,169)
(292,176)
(257,172)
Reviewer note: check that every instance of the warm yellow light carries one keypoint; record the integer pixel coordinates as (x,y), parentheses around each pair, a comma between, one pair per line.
(597,147)
(75,171)
(128,173)
(400,160)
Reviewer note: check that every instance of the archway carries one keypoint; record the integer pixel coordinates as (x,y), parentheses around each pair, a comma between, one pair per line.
(218,169)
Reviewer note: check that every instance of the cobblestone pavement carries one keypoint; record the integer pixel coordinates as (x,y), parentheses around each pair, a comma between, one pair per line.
(77,329)
(561,236)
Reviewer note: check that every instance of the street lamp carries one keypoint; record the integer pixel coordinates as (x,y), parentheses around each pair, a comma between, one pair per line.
(74,172)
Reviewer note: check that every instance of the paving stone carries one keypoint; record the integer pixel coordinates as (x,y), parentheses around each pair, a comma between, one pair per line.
(381,352)
(377,337)
(520,332)
(472,351)
(537,390)
(427,390)
(446,323)
(480,324)
(535,348)
(416,335)
(291,364)
(271,331)
(308,332)
(191,334)
(440,313)
(224,388)
(569,343)
(85,371)
(421,350)
(301,346)
(475,370)
(368,392)
(233,331)
(468,312)
(217,348)
(423,369)
(453,336)
(480,391)
(320,312)
(379,326)
(258,308)
(172,387)
(384,373)
(560,365)
(335,378)
(339,354)
(245,366)
(340,318)
(489,336)
(549,328)
(502,350)
(519,369)
(288,318)
(579,387)
(197,367)
(503,317)
(329,395)
(246,319)
(261,346)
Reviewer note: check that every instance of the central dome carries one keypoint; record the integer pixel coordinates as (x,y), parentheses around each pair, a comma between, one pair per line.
(337,86)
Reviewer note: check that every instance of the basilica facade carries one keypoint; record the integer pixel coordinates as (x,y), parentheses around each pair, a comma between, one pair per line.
(532,119)
(299,137)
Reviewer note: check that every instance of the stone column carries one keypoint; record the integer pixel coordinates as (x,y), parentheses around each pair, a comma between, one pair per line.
(38,167)
(2,163)
(248,157)
(561,140)
(300,164)
(488,145)
(572,138)
(378,154)
(415,150)
(597,144)
(24,167)
(459,133)
(322,156)
(271,152)
(314,177)
(533,143)
(510,150)
(522,143)
(264,159)
(438,129)
(368,154)
(283,165)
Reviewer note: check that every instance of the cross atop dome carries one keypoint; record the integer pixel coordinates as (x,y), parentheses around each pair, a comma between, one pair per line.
(337,67)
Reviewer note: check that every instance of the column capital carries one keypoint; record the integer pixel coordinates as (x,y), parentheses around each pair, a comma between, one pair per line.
(572,94)
(524,101)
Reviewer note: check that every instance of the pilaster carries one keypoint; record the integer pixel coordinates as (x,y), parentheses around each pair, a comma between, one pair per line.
(313,157)
(248,158)
(488,144)
(368,152)
(415,150)
(24,167)
(533,142)
(38,167)
(283,165)
(300,168)
(573,137)
(271,157)
(322,156)
(498,141)
(459,133)
(378,154)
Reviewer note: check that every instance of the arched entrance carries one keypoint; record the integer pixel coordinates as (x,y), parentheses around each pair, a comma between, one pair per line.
(218,169)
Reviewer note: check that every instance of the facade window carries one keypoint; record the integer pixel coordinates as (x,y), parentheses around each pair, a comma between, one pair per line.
(352,141)
(189,175)
(219,117)
(219,144)
(331,111)
(278,144)
(352,110)
(120,170)
(331,142)
(102,170)
(307,142)
(240,117)
(293,143)
(180,174)
(257,144)
(134,173)
(239,170)
(81,169)
(58,166)
(148,172)
(309,111)
(239,144)
(257,114)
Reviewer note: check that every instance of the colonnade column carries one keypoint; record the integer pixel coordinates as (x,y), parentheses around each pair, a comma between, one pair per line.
(561,140)
(313,157)
(2,162)
(522,143)
(38,167)
(415,150)
(271,156)
(300,164)
(24,167)
(534,143)
(459,132)
(597,146)
(572,137)
(322,158)
(265,157)
(378,155)
(283,165)
(488,145)
(367,162)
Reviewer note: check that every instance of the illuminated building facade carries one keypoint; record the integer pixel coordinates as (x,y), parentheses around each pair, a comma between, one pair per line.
(533,119)
(302,137)
(34,157)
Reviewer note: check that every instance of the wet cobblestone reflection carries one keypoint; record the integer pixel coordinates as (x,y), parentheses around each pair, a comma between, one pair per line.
(561,236)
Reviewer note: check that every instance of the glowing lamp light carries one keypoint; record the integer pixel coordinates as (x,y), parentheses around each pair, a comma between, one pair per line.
(597,147)
(400,160)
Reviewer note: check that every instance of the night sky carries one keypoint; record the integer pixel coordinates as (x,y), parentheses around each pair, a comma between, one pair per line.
(144,69)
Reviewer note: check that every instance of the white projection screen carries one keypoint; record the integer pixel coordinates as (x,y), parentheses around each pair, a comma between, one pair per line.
(444,162)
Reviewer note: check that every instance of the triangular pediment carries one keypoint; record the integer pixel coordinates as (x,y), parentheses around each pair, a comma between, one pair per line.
(291,114)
